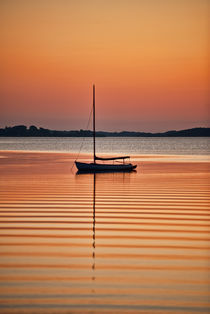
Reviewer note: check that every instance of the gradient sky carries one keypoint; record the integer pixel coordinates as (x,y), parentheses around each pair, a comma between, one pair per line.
(148,59)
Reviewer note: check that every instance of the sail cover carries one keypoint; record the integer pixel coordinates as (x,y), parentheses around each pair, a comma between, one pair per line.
(111,158)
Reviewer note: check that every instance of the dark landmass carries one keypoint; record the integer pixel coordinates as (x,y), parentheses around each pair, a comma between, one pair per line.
(23,131)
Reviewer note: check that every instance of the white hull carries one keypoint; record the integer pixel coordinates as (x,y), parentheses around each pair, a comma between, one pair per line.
(91,167)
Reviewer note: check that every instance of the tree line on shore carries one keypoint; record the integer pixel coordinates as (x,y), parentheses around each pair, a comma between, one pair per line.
(33,131)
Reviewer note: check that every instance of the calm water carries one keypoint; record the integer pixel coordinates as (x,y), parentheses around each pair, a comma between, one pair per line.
(134,145)
(106,243)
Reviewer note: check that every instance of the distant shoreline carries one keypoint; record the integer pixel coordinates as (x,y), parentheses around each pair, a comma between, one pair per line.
(33,131)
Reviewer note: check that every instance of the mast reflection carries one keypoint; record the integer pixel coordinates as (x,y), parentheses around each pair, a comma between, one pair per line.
(94,223)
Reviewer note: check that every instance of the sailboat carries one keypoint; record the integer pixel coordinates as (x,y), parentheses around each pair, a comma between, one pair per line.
(103,167)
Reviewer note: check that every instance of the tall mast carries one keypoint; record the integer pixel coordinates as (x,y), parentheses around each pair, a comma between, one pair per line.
(94,127)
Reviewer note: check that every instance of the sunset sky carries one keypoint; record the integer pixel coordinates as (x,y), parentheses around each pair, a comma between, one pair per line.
(147,58)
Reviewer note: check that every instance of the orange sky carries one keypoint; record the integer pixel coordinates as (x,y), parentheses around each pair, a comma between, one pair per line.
(148,59)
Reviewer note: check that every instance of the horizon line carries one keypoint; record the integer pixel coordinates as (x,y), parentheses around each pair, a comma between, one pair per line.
(98,131)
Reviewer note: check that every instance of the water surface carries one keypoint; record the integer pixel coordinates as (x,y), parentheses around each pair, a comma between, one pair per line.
(111,145)
(119,242)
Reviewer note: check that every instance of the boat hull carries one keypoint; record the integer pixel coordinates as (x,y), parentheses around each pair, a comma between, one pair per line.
(91,167)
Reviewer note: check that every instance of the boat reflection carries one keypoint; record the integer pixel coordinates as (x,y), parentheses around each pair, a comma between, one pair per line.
(92,179)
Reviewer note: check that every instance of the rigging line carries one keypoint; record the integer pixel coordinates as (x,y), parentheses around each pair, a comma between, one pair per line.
(83,137)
